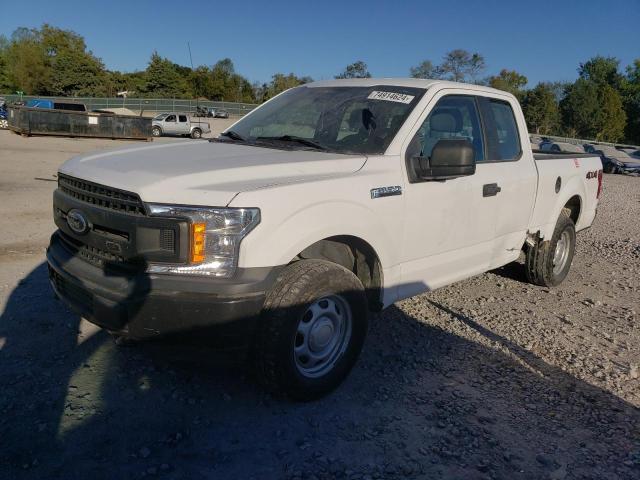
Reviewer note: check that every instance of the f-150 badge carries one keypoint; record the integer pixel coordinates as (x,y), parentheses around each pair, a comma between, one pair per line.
(386,191)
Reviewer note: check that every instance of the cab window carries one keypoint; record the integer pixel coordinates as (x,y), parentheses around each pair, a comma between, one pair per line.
(182,118)
(503,139)
(453,117)
(170,118)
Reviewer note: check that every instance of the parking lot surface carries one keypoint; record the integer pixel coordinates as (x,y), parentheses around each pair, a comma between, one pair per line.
(488,378)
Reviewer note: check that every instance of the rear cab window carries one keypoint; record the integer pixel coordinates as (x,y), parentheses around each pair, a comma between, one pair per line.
(183,118)
(501,130)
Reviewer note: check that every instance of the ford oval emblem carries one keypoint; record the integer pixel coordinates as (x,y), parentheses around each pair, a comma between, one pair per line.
(77,222)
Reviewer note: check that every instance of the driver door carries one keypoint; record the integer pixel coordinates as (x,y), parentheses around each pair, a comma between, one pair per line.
(449,225)
(170,124)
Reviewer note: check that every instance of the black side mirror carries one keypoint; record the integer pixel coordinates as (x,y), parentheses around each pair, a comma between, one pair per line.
(450,158)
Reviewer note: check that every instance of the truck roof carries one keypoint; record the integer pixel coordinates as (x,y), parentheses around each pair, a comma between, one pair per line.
(403,82)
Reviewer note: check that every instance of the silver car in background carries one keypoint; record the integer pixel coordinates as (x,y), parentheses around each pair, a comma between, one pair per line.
(561,147)
(617,161)
(174,123)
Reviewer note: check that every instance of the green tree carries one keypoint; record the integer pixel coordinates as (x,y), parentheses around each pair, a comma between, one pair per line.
(132,82)
(5,83)
(593,110)
(509,81)
(426,69)
(52,61)
(27,67)
(228,85)
(280,83)
(355,70)
(541,110)
(614,118)
(162,79)
(602,70)
(462,66)
(631,101)
(200,82)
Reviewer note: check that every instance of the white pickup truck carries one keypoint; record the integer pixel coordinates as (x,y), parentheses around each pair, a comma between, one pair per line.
(330,200)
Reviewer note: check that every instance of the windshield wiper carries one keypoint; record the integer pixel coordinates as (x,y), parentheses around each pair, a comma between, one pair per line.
(233,135)
(292,138)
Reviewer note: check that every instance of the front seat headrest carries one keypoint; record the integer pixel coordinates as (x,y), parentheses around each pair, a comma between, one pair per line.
(446,121)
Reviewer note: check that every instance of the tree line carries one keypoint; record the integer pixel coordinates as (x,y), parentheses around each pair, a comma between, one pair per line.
(602,104)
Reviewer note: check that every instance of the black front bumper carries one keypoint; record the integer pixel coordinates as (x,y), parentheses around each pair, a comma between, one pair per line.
(142,305)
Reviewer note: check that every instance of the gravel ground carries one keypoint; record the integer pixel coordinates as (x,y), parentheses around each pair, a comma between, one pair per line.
(488,378)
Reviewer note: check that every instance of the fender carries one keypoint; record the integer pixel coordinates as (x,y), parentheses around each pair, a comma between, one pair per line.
(573,187)
(277,242)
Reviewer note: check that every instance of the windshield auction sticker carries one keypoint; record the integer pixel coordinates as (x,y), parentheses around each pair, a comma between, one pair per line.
(391,97)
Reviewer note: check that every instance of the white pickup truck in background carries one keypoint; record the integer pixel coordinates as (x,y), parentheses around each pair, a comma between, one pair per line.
(330,200)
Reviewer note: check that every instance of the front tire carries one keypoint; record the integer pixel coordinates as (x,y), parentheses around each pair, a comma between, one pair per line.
(312,329)
(197,133)
(156,132)
(4,124)
(548,263)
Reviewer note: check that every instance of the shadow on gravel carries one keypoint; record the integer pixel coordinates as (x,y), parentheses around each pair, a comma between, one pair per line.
(512,271)
(421,403)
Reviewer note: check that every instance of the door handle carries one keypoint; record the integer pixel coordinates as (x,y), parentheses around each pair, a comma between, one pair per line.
(490,190)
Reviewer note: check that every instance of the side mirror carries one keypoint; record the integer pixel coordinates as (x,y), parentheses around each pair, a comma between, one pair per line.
(450,158)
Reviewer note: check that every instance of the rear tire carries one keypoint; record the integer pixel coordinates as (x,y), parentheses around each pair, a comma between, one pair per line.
(313,326)
(548,263)
(197,133)
(156,131)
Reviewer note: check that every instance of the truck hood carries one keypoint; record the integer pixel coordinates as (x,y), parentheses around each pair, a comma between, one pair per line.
(205,173)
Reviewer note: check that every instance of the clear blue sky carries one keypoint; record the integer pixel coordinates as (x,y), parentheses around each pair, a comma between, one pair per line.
(545,40)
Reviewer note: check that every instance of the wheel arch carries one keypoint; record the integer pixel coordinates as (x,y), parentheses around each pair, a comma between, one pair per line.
(357,256)
(574,205)
(571,197)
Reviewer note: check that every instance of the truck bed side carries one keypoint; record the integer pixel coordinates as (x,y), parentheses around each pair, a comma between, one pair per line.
(565,179)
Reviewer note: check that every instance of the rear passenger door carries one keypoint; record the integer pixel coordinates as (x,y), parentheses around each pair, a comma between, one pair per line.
(183,126)
(513,171)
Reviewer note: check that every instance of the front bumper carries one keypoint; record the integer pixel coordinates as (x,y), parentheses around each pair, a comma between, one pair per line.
(144,305)
(625,167)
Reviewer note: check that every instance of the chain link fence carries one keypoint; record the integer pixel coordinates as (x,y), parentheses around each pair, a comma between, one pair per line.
(144,106)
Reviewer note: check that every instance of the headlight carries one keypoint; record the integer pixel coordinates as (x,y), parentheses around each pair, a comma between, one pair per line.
(214,238)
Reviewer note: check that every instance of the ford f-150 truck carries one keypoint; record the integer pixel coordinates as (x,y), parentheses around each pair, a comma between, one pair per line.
(330,200)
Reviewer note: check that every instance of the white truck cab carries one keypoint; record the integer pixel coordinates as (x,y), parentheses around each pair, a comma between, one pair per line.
(330,200)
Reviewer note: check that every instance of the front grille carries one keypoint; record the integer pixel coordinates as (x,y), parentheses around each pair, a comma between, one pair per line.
(101,196)
(94,256)
(168,239)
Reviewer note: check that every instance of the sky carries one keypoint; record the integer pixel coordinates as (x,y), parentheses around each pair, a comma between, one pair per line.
(544,40)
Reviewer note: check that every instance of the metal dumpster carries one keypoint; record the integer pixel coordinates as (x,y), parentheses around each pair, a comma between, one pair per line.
(42,121)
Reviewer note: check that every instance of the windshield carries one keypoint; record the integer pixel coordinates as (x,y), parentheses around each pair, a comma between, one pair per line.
(338,119)
(162,116)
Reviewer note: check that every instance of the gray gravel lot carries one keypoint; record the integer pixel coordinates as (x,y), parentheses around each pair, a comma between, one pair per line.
(488,378)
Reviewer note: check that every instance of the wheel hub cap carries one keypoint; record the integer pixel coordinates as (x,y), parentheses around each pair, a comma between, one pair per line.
(322,336)
(561,254)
